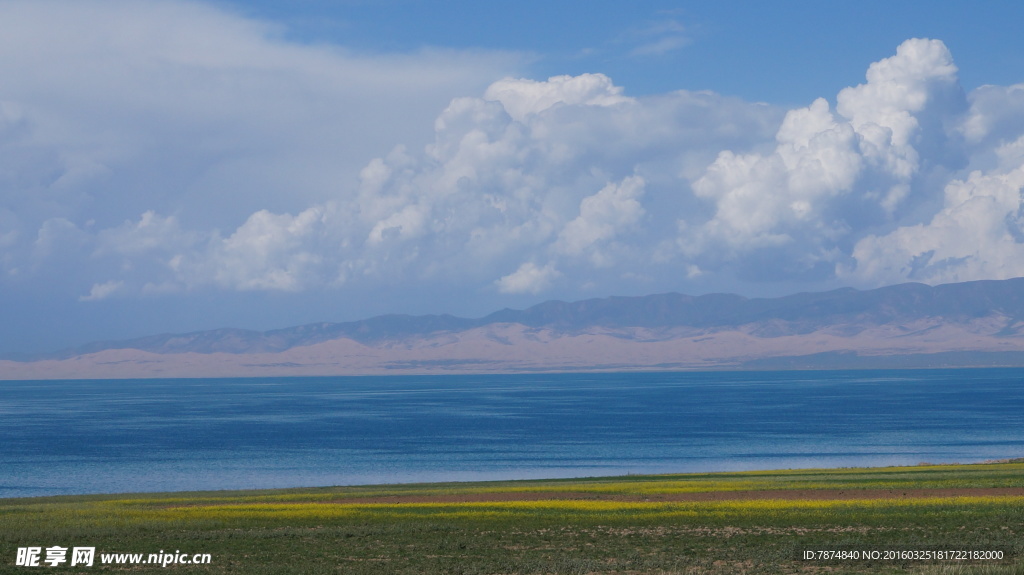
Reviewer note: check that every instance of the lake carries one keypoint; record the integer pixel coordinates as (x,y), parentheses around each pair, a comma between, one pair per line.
(71,437)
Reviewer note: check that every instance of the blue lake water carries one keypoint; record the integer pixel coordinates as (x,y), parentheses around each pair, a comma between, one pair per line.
(64,437)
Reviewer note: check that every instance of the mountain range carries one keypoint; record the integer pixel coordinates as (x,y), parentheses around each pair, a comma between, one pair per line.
(967,324)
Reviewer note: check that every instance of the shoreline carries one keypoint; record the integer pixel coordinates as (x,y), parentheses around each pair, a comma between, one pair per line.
(520,489)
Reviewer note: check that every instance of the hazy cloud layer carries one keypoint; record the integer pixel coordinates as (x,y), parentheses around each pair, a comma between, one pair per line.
(173,148)
(112,109)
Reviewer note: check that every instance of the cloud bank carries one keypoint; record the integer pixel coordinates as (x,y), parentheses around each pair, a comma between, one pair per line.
(532,184)
(184,149)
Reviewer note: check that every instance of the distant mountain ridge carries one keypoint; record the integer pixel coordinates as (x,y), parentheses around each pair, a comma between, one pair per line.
(788,315)
(971,323)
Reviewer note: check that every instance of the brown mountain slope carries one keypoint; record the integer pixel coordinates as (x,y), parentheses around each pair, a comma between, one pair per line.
(912,325)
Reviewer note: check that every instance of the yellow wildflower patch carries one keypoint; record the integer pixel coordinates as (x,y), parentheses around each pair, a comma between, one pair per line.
(483,510)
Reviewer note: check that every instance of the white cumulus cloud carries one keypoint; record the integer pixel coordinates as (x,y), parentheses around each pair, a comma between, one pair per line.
(834,174)
(102,291)
(978,234)
(528,279)
(614,209)
(521,97)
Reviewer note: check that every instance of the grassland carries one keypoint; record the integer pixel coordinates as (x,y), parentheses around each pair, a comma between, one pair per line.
(751,522)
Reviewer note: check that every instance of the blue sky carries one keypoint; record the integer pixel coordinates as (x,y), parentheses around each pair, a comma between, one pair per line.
(786,52)
(175,166)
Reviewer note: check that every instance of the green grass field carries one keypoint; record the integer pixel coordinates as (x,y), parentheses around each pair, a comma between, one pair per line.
(635,524)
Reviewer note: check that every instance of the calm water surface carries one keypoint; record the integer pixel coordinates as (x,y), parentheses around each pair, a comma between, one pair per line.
(62,437)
